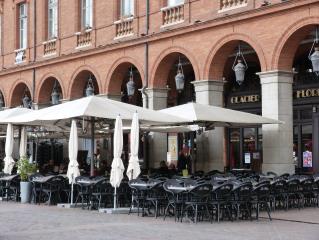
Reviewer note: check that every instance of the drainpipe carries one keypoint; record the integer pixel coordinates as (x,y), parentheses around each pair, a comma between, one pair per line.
(34,46)
(143,91)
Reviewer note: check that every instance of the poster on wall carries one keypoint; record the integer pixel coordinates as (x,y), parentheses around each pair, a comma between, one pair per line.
(307,159)
(172,147)
(247,158)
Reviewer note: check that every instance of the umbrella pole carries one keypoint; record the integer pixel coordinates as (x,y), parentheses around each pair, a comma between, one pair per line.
(115,198)
(72,190)
(92,147)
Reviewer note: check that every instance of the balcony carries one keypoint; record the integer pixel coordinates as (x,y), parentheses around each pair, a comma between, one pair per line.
(226,5)
(20,55)
(172,15)
(84,39)
(49,47)
(124,28)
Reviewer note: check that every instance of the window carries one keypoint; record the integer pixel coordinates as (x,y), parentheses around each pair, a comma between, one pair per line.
(171,3)
(127,8)
(86,14)
(23,21)
(52,19)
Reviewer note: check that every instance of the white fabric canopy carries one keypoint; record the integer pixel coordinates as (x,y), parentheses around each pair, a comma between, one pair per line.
(13,113)
(216,116)
(23,142)
(8,160)
(133,169)
(73,167)
(94,106)
(117,164)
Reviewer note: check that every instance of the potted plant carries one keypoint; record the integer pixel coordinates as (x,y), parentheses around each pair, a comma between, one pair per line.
(25,169)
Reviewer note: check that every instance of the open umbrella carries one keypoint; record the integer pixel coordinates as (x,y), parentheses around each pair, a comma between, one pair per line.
(23,142)
(133,169)
(73,168)
(8,160)
(117,164)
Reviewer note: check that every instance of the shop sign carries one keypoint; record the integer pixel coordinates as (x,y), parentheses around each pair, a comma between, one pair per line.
(245,99)
(306,93)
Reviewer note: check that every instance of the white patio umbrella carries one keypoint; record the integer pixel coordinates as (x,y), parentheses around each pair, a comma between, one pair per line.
(117,164)
(133,169)
(23,142)
(73,168)
(8,160)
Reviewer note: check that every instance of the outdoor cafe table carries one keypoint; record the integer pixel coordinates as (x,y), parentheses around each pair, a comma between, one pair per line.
(5,183)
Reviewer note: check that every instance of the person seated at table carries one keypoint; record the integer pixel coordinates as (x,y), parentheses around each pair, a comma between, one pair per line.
(163,169)
(49,167)
(63,168)
(172,169)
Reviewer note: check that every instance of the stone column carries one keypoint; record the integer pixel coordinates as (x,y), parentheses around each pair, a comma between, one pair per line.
(210,144)
(277,103)
(157,142)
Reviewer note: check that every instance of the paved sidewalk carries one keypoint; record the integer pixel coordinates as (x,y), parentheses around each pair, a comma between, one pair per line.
(34,222)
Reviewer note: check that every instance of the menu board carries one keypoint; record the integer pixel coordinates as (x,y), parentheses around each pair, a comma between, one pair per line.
(307,159)
(247,158)
(172,147)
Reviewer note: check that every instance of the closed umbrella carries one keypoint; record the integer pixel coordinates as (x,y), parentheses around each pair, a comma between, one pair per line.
(117,164)
(8,160)
(133,169)
(73,168)
(23,142)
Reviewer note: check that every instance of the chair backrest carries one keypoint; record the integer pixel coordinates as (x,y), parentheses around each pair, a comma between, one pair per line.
(202,191)
(222,192)
(262,191)
(307,185)
(243,191)
(293,186)
(279,186)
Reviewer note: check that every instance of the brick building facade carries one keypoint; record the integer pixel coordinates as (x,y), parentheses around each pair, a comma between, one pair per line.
(151,37)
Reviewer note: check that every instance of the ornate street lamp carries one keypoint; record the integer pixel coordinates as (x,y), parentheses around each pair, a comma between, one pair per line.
(314,57)
(130,86)
(179,78)
(241,66)
(89,91)
(55,96)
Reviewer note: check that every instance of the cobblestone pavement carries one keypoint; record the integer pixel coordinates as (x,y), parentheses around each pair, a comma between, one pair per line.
(29,222)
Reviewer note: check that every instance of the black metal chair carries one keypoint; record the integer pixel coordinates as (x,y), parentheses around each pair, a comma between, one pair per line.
(101,193)
(294,194)
(51,188)
(261,198)
(156,197)
(241,200)
(220,201)
(83,191)
(138,196)
(278,194)
(197,203)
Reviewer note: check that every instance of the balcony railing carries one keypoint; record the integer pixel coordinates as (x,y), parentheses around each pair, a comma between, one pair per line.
(124,27)
(20,55)
(172,15)
(83,39)
(226,5)
(49,47)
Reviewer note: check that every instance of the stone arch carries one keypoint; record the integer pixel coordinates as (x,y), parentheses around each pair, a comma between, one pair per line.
(287,45)
(161,67)
(216,60)
(46,84)
(75,88)
(113,86)
(4,97)
(17,91)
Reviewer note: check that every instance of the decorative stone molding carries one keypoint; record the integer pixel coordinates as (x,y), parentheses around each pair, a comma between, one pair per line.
(124,28)
(172,15)
(226,5)
(49,47)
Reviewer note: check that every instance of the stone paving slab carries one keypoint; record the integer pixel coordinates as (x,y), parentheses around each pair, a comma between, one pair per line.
(34,222)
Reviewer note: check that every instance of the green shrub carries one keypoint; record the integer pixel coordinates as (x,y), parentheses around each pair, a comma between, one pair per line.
(25,169)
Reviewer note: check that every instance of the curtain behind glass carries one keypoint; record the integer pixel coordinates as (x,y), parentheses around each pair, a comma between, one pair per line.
(127,8)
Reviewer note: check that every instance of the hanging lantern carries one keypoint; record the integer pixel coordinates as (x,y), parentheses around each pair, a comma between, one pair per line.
(130,86)
(240,68)
(1,101)
(55,96)
(26,101)
(89,91)
(314,57)
(180,78)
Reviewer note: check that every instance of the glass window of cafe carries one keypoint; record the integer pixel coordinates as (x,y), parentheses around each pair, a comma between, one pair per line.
(244,145)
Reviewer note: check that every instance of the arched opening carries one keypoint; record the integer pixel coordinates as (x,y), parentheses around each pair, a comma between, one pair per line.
(243,144)
(82,82)
(295,55)
(119,85)
(49,90)
(165,77)
(21,96)
(2,100)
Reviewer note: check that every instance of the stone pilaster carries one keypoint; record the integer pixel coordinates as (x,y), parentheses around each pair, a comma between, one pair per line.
(157,99)
(277,104)
(210,144)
